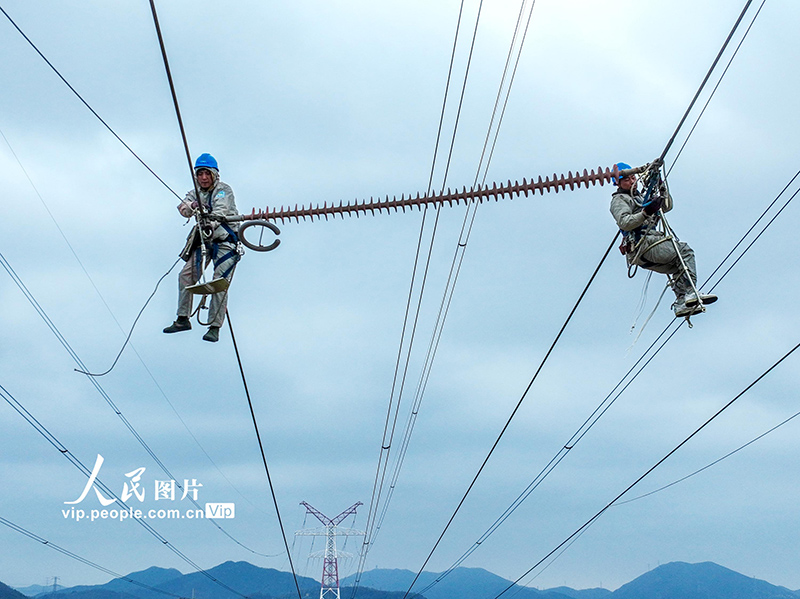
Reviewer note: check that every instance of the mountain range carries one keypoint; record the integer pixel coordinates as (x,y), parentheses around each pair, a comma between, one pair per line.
(231,580)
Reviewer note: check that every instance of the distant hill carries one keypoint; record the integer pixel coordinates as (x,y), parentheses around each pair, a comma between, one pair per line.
(679,580)
(152,577)
(6,592)
(87,593)
(461,583)
(583,593)
(34,589)
(676,580)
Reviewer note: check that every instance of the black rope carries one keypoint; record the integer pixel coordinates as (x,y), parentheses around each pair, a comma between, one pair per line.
(133,326)
(263,454)
(85,103)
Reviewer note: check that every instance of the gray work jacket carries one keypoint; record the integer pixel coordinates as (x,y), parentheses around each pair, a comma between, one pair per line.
(217,202)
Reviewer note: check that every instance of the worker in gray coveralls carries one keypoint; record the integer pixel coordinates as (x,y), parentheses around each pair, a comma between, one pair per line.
(221,241)
(650,248)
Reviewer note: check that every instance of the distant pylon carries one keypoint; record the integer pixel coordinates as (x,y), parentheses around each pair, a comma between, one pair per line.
(330,564)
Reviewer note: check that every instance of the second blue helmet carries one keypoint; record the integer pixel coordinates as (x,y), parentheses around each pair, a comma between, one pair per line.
(621,166)
(208,161)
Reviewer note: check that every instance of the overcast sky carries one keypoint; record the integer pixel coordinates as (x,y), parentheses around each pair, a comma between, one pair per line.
(327,101)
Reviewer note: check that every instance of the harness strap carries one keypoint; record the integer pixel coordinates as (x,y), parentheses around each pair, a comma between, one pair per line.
(233,237)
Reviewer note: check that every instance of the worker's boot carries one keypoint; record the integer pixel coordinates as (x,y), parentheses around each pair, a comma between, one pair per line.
(181,324)
(212,335)
(705,298)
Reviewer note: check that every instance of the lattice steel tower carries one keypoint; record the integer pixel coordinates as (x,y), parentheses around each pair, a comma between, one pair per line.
(330,530)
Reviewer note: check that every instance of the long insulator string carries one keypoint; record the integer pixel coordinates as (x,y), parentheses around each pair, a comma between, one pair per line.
(478,194)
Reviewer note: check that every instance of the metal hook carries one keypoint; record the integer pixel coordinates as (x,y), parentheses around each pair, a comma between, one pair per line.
(259,247)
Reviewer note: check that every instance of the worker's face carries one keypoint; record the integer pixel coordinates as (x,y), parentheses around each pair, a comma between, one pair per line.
(204,178)
(627,183)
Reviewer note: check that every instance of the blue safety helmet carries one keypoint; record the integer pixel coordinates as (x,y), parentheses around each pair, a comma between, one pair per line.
(209,162)
(621,166)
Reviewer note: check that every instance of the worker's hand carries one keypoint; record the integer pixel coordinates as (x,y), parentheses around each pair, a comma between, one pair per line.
(185,208)
(653,206)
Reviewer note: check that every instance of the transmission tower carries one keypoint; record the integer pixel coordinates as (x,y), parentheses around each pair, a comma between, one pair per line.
(330,530)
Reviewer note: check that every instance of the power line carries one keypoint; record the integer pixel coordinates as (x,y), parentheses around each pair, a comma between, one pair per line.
(714,463)
(662,156)
(616,392)
(705,79)
(83,560)
(444,306)
(85,103)
(76,358)
(714,91)
(42,430)
(562,452)
(197,195)
(383,456)
(653,467)
(174,98)
(514,411)
(263,455)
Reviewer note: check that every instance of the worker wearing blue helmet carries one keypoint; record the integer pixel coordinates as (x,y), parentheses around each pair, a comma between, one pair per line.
(221,242)
(645,244)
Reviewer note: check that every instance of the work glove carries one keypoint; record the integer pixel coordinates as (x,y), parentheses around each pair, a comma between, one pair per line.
(187,209)
(653,206)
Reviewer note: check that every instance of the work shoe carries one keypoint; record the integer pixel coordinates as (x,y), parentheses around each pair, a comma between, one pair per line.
(212,335)
(705,298)
(181,324)
(681,309)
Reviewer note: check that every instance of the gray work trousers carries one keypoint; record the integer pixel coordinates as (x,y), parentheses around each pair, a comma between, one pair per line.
(225,257)
(663,258)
